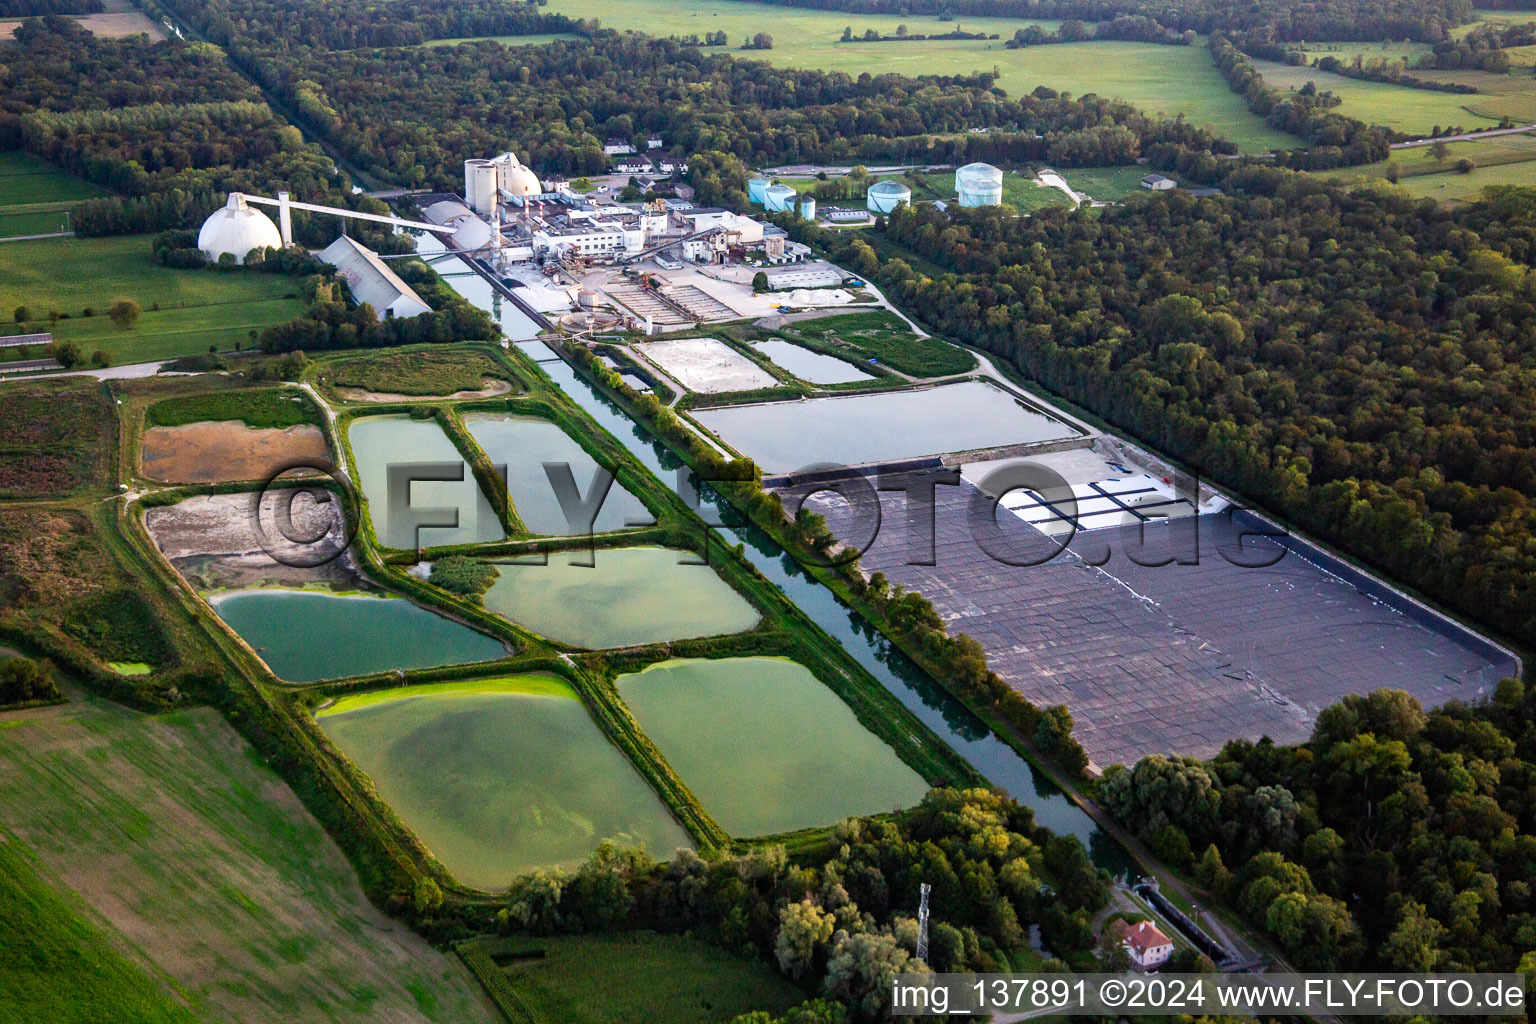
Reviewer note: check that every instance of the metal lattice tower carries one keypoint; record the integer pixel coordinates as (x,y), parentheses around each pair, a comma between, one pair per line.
(922,925)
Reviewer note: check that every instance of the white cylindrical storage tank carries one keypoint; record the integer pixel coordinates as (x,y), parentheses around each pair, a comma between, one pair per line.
(779,198)
(236,229)
(757,190)
(979,185)
(480,184)
(808,207)
(885,196)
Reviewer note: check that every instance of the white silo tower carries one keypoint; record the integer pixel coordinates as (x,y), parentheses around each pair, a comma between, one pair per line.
(757,190)
(779,198)
(979,185)
(885,196)
(480,184)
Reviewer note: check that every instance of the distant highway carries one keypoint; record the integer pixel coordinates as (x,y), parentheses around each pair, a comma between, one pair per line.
(1467,137)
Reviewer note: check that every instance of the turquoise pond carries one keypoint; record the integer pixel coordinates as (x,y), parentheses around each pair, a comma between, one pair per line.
(305,636)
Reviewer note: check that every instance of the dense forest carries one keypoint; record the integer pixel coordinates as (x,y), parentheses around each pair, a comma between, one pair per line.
(1359,362)
(170,128)
(1394,840)
(1423,20)
(260,24)
(411,115)
(844,922)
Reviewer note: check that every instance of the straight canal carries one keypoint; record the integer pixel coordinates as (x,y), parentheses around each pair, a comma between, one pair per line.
(942,713)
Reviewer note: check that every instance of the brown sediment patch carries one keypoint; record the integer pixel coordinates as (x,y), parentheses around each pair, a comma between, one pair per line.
(225,450)
(490,388)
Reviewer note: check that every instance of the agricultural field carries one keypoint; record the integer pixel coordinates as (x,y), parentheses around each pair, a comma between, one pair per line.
(111,24)
(200,860)
(61,967)
(35,196)
(417,373)
(1164,80)
(55,437)
(632,976)
(1410,110)
(884,337)
(1503,160)
(197,309)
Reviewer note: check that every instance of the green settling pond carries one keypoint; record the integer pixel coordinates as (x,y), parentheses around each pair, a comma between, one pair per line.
(765,746)
(638,595)
(379,442)
(524,444)
(500,777)
(306,635)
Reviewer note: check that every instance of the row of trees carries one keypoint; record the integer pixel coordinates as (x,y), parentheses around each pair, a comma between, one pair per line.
(1333,140)
(244,25)
(1130,27)
(1394,840)
(843,922)
(1359,362)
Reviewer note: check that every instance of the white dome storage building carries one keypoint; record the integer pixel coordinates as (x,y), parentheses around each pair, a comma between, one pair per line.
(237,229)
(885,196)
(779,198)
(757,190)
(979,185)
(515,177)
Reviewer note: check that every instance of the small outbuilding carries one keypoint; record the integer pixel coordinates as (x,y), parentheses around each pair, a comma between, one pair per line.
(1158,183)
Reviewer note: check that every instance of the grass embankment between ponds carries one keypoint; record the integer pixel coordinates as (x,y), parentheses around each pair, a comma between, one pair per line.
(883,337)
(422,371)
(275,408)
(530,684)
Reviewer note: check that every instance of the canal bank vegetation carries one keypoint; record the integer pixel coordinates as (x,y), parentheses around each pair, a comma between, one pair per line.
(957,663)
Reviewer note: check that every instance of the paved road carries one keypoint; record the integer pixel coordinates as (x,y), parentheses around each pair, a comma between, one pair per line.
(1467,137)
(28,238)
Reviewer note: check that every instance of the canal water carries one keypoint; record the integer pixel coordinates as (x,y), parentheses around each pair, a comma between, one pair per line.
(942,713)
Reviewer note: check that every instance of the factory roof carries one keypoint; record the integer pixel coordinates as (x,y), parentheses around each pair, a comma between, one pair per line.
(371,280)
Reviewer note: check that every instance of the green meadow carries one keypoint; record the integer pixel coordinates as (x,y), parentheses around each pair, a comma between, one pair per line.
(202,864)
(1396,106)
(1502,160)
(62,968)
(628,977)
(1165,80)
(199,309)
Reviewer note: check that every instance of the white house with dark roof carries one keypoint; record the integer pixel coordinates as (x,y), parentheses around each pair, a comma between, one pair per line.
(370,280)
